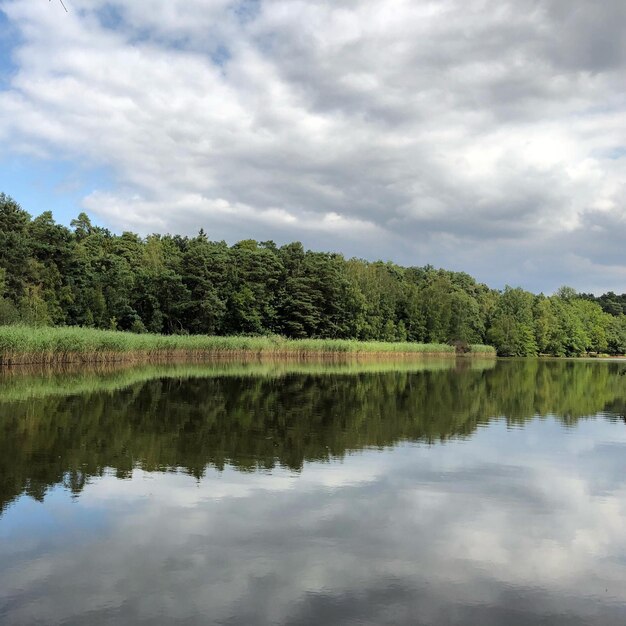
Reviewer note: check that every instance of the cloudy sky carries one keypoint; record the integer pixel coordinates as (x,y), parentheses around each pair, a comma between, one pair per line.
(480,135)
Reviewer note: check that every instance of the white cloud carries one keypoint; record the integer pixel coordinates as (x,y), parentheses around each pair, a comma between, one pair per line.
(464,134)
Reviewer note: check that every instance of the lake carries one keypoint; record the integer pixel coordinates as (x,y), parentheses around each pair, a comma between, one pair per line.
(435,492)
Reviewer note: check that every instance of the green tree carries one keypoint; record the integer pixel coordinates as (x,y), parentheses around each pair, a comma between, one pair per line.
(512,329)
(14,246)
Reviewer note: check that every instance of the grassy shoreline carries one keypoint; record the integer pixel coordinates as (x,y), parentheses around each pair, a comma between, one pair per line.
(22,345)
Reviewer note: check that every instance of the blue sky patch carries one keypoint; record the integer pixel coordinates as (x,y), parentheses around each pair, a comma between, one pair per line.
(221,55)
(247,10)
(9,39)
(110,17)
(617,153)
(40,185)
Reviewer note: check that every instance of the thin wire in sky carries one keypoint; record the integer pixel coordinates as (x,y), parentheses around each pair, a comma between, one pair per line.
(63,5)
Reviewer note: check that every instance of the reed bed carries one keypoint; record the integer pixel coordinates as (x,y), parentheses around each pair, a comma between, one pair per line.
(477,348)
(47,345)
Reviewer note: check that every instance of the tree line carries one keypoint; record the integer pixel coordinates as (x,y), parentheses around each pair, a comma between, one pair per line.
(86,275)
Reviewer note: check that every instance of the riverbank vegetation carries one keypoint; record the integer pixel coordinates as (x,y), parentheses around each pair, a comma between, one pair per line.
(50,345)
(87,276)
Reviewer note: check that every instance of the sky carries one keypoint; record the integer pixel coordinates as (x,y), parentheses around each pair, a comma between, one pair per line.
(486,136)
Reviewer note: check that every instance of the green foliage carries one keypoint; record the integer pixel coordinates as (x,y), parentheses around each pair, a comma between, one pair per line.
(8,312)
(27,344)
(616,335)
(14,246)
(166,284)
(512,330)
(610,302)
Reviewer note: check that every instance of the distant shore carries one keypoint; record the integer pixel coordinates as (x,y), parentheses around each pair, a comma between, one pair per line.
(48,345)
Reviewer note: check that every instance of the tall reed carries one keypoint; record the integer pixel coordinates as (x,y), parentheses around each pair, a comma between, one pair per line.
(46,345)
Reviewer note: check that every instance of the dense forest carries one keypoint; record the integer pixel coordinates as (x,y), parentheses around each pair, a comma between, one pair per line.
(87,276)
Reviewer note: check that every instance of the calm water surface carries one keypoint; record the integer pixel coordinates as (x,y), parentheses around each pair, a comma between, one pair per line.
(435,493)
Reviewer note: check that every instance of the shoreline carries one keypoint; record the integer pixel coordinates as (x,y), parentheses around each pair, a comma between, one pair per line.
(22,345)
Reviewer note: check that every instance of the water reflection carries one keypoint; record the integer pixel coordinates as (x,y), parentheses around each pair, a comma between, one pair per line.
(242,523)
